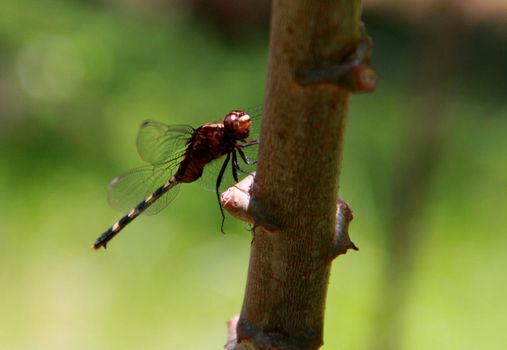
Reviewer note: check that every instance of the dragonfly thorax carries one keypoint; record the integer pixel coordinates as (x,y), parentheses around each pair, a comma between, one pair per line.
(237,124)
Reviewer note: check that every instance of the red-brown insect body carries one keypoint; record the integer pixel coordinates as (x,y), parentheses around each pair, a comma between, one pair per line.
(210,142)
(206,144)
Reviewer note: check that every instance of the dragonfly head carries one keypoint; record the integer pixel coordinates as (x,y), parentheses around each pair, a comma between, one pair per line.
(238,124)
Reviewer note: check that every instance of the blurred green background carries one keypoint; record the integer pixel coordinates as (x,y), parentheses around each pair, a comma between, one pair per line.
(424,168)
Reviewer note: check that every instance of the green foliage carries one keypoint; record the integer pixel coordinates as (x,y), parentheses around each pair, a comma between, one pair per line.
(77,79)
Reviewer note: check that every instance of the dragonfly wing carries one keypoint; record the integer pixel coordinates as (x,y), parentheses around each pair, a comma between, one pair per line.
(255,114)
(251,147)
(157,141)
(131,188)
(163,201)
(251,150)
(210,175)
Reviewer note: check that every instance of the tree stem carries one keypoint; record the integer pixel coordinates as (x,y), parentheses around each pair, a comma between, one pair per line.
(294,195)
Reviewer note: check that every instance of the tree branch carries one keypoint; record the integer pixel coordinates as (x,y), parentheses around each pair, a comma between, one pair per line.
(294,195)
(236,200)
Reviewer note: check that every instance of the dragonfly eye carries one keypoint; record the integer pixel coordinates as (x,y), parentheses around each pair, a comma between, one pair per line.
(238,124)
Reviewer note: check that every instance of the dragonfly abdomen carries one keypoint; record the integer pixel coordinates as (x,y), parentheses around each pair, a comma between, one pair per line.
(125,220)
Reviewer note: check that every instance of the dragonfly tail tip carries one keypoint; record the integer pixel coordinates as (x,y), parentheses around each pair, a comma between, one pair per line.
(97,246)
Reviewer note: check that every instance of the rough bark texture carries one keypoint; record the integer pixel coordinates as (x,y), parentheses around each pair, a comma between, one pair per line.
(294,195)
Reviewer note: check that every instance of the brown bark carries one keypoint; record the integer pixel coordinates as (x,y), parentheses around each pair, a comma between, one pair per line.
(318,55)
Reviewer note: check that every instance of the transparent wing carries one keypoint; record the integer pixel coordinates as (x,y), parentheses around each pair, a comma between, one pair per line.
(157,141)
(251,149)
(212,170)
(131,188)
(255,114)
(209,177)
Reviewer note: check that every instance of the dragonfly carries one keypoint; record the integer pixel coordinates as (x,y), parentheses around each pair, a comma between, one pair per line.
(181,154)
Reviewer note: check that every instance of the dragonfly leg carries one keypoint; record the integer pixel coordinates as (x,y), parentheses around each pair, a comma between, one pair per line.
(249,143)
(243,171)
(235,166)
(244,157)
(217,188)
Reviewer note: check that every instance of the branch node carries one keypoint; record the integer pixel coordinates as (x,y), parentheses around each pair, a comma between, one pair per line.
(237,201)
(252,338)
(342,242)
(231,333)
(353,73)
